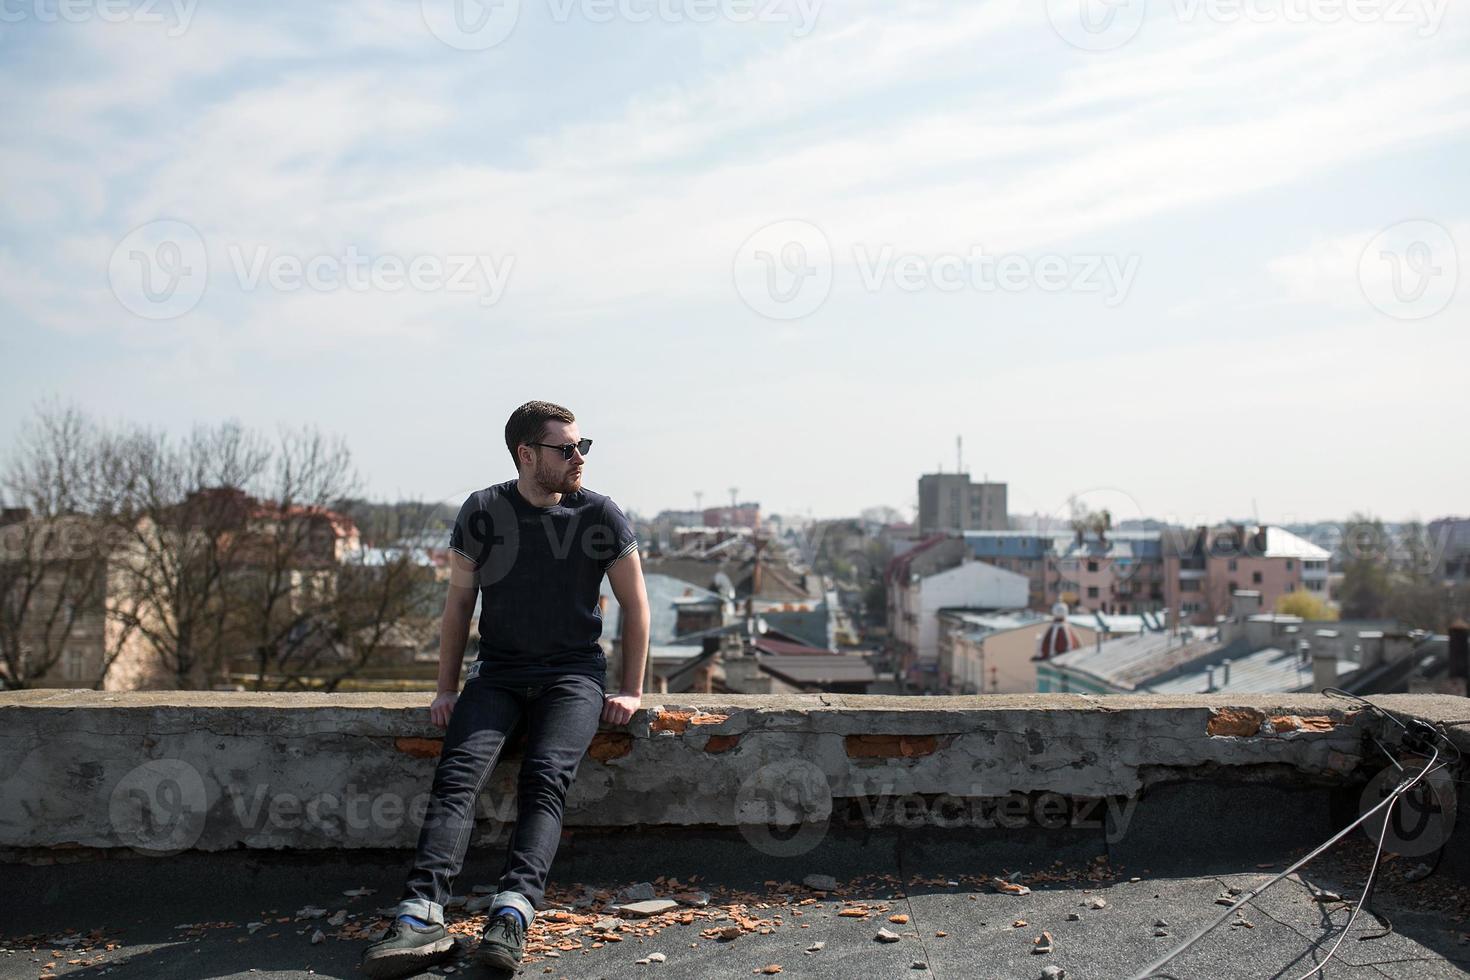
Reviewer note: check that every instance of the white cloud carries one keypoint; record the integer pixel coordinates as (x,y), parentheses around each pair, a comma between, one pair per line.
(310,130)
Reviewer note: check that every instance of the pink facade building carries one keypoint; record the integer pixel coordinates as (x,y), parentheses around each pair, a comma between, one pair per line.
(1204,567)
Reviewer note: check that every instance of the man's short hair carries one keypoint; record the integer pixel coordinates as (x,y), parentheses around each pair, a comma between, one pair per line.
(528,423)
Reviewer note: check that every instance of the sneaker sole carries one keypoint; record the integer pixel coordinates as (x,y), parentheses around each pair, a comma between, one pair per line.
(401,962)
(497,959)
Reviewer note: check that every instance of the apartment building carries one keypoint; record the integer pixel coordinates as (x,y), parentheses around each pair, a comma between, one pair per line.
(938,575)
(952,502)
(1204,567)
(1115,572)
(1194,571)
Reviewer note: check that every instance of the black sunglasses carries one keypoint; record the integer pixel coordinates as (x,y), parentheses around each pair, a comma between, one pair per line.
(581,446)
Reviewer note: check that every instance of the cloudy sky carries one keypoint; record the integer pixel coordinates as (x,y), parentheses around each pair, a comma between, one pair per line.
(1200,259)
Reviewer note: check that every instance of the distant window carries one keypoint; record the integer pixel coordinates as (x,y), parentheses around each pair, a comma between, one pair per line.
(1092,566)
(1232,564)
(1189,585)
(1290,564)
(1256,577)
(1234,586)
(73,663)
(1290,586)
(1092,592)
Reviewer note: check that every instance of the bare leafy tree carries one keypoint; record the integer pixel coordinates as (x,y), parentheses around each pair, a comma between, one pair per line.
(64,509)
(317,604)
(188,510)
(186,558)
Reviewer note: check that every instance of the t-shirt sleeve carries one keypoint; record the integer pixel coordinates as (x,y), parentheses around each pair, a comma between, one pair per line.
(471,535)
(624,540)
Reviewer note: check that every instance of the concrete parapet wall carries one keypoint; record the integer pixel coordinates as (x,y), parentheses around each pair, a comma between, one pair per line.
(201,770)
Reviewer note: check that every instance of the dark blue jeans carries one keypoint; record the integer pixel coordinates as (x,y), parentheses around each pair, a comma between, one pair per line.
(561,717)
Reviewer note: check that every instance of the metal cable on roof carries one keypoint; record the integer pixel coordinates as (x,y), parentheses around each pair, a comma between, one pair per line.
(1152,970)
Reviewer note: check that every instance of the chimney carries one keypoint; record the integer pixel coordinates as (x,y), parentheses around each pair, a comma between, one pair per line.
(1459,654)
(1324,661)
(1244,604)
(1209,679)
(755,576)
(1225,672)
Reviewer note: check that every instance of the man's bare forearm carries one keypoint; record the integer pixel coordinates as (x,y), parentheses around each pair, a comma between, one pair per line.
(635,648)
(454,634)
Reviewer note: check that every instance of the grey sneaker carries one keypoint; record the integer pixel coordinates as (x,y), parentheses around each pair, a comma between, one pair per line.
(406,949)
(502,942)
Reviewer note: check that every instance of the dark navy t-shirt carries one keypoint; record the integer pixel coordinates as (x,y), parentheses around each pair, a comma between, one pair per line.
(539,570)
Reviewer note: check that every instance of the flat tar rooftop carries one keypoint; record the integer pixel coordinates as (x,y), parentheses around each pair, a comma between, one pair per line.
(956,834)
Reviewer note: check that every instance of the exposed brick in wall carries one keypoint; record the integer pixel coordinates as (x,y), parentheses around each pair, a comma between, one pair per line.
(721,743)
(890,746)
(420,748)
(678,721)
(1247,722)
(610,745)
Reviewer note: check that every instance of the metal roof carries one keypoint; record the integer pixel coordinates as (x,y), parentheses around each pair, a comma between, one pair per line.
(838,668)
(1267,670)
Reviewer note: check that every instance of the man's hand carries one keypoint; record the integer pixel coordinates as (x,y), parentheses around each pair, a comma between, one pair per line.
(617,709)
(442,708)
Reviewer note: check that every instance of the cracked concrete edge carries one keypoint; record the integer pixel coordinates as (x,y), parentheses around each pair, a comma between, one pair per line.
(63,753)
(1437,707)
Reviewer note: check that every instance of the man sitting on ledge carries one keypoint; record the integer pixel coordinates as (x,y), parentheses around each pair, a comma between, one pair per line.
(535,549)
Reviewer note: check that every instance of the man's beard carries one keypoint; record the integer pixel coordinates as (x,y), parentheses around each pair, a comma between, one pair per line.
(552,481)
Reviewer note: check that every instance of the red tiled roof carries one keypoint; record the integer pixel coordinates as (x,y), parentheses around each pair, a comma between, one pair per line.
(899,567)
